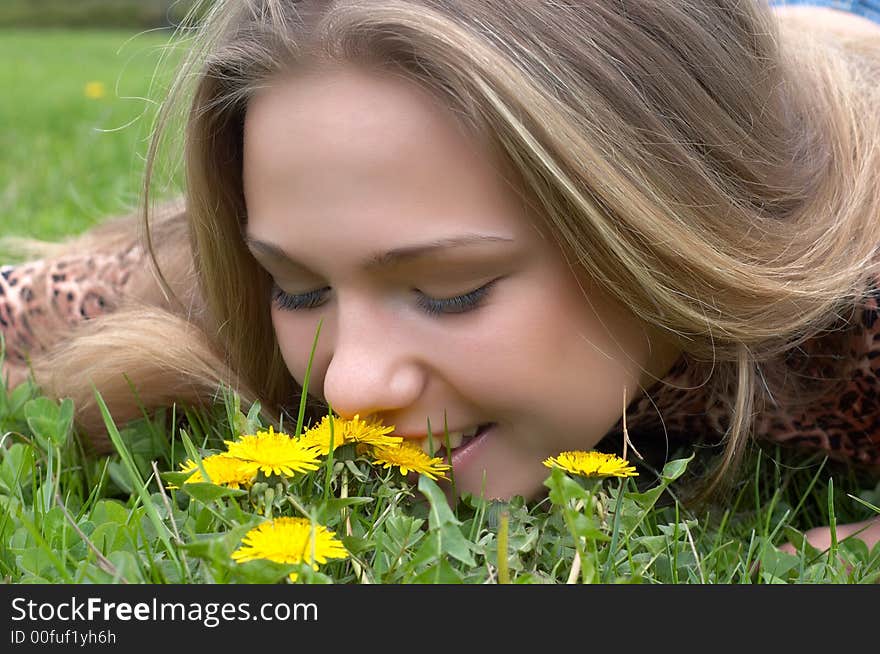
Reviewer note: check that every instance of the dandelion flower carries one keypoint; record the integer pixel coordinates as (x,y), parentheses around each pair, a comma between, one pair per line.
(409,457)
(318,437)
(273,453)
(222,470)
(95,90)
(369,432)
(592,464)
(290,540)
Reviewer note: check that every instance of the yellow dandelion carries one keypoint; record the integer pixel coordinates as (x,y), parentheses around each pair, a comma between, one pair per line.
(370,432)
(222,470)
(409,457)
(318,437)
(273,453)
(290,540)
(592,464)
(95,90)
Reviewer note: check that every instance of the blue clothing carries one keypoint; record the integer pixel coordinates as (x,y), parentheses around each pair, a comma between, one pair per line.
(868,8)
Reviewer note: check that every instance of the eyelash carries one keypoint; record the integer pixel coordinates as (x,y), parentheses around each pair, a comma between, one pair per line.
(290,302)
(458,304)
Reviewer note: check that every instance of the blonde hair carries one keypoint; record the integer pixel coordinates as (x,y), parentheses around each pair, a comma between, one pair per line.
(711,168)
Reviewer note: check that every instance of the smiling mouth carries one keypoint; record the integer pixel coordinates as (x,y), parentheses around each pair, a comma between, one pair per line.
(436,444)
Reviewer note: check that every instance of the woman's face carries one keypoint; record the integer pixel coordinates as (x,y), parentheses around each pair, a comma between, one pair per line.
(442,301)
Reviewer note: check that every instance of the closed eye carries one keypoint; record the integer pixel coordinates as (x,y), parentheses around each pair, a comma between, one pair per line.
(458,304)
(432,306)
(299,301)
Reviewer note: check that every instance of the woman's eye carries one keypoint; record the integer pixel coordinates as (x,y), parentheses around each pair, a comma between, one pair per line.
(431,306)
(294,302)
(457,304)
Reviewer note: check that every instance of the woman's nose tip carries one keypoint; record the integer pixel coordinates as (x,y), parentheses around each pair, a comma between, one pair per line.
(352,389)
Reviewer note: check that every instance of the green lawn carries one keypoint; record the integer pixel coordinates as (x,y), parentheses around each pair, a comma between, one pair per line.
(68,160)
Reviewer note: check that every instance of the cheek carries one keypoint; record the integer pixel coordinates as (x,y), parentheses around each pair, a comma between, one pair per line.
(295,339)
(562,367)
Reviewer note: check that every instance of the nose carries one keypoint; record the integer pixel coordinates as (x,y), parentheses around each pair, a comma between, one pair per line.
(371,370)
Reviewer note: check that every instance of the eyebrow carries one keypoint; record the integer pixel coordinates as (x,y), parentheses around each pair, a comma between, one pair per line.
(391,257)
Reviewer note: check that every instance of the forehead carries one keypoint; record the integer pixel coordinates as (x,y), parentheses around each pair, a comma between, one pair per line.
(354,112)
(353,149)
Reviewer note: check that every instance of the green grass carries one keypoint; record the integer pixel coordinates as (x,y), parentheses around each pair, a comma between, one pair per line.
(68,161)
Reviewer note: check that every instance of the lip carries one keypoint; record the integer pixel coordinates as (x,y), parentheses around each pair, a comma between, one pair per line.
(462,455)
(437,436)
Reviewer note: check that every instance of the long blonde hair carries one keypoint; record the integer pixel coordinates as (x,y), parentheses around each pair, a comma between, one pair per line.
(712,169)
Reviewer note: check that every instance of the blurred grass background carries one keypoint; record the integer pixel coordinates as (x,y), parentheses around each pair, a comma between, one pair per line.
(94,13)
(76,108)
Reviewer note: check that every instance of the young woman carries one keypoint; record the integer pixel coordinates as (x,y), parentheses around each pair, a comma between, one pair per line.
(511,219)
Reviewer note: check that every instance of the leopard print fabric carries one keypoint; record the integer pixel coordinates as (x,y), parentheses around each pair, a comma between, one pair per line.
(844,423)
(40,299)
